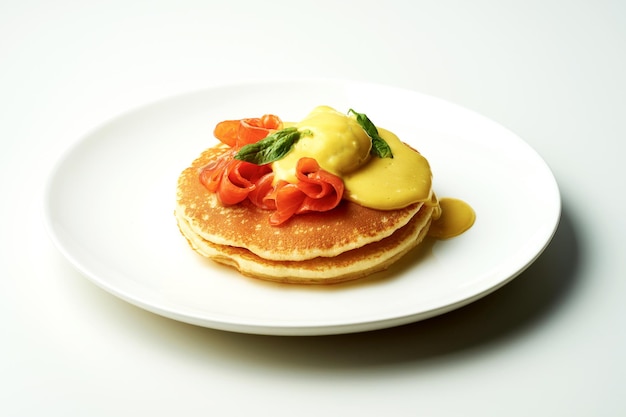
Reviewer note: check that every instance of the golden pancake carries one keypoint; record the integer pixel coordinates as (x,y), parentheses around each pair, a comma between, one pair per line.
(382,207)
(349,265)
(306,236)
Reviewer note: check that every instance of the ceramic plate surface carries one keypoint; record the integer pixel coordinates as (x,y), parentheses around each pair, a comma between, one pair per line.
(109,208)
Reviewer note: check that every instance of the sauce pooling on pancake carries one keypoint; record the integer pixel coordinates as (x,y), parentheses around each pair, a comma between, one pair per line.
(341,146)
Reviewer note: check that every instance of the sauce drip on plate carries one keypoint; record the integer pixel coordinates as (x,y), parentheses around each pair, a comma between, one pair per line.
(456,217)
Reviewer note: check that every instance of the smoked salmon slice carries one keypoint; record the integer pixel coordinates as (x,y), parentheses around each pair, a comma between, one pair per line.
(237,133)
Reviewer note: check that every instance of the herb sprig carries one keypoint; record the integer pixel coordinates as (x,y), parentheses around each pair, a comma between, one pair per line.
(271,148)
(380,147)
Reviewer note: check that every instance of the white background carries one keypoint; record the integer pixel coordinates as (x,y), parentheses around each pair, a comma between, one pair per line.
(550,343)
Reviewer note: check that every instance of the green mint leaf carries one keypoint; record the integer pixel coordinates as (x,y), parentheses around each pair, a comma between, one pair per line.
(380,148)
(271,148)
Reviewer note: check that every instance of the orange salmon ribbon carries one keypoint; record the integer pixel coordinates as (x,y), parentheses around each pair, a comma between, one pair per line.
(316,190)
(232,179)
(237,133)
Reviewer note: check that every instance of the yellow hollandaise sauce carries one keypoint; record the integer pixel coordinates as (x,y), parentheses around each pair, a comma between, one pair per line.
(391,183)
(341,146)
(337,142)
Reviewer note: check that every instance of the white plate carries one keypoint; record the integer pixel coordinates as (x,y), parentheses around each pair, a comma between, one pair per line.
(109,208)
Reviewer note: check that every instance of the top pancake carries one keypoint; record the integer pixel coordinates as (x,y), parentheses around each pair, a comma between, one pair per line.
(305,236)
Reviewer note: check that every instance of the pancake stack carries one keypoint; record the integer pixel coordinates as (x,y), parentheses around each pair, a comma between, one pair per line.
(346,243)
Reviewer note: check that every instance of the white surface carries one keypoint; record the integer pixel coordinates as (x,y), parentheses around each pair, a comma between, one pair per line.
(549,343)
(119,230)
